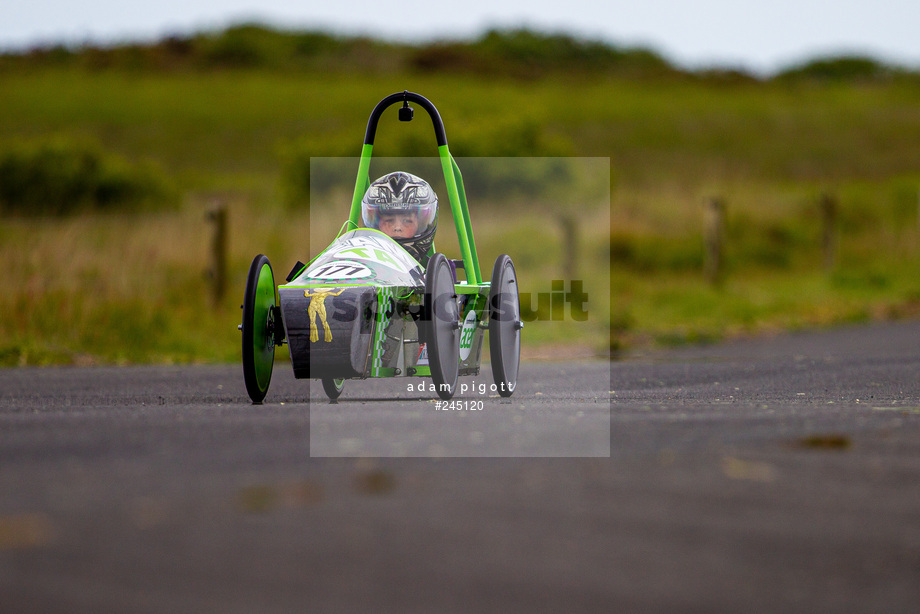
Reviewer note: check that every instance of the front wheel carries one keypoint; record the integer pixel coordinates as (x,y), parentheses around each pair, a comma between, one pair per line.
(442,326)
(504,326)
(259,329)
(333,387)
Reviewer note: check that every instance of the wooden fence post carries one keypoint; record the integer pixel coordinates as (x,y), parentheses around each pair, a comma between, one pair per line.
(829,230)
(714,237)
(217,215)
(569,246)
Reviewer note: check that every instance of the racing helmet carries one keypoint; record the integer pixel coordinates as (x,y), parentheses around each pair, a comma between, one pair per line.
(403,193)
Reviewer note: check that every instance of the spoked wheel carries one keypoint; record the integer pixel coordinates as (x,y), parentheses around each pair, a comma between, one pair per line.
(505,326)
(259,328)
(442,326)
(333,387)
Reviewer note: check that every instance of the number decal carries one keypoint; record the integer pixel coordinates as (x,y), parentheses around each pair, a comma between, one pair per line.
(341,270)
(466,334)
(335,272)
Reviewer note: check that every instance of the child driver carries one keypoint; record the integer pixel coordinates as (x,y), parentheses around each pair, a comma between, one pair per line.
(405,208)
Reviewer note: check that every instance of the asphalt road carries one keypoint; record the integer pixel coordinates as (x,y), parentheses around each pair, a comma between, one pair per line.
(769,475)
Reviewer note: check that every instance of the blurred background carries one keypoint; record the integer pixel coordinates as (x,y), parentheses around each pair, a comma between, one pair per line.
(764,172)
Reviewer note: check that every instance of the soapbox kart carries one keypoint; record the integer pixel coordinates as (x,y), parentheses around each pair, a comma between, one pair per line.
(365,308)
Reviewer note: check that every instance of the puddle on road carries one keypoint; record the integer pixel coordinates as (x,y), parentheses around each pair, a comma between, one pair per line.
(903,410)
(25,531)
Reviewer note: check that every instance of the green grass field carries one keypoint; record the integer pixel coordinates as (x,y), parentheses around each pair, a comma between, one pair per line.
(126,288)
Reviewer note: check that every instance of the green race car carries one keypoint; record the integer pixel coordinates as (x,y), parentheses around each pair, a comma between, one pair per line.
(380,301)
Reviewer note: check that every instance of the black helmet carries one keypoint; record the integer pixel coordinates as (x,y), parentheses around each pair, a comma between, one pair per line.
(399,195)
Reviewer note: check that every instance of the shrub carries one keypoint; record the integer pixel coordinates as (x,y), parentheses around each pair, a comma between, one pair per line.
(844,68)
(246,45)
(530,54)
(61,177)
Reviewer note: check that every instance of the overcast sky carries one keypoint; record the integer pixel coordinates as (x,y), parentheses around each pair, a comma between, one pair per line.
(762,36)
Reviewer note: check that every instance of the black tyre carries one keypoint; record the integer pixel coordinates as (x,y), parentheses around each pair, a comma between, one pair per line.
(259,329)
(505,326)
(442,326)
(333,387)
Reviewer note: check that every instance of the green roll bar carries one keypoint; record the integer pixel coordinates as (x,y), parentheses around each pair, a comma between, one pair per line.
(456,194)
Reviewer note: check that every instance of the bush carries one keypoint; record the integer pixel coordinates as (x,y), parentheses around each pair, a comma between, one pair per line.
(655,254)
(844,68)
(247,45)
(63,177)
(529,54)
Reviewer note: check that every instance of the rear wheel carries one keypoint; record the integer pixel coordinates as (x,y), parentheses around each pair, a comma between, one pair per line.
(333,387)
(504,326)
(259,328)
(442,326)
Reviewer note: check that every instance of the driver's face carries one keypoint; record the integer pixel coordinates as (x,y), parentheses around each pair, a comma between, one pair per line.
(399,225)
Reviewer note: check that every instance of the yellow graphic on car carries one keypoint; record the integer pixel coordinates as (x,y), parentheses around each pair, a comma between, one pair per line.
(318,308)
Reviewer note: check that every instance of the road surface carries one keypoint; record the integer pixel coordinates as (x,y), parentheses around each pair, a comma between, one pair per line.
(768,475)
